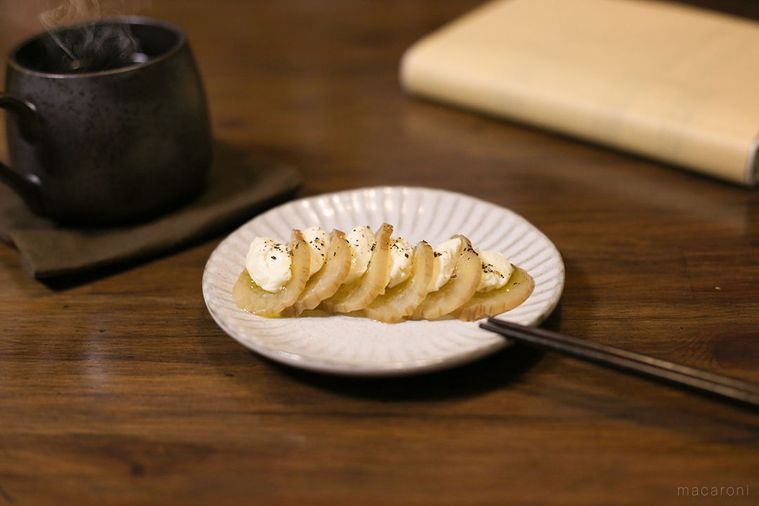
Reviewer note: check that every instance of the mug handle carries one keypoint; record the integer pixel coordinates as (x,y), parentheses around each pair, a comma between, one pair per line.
(27,186)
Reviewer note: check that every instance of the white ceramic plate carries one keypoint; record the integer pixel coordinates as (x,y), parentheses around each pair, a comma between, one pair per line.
(363,347)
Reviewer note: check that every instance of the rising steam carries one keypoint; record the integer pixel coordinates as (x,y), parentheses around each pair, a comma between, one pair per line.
(92,46)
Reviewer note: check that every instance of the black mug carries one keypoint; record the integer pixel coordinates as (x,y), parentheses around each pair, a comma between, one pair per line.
(106,142)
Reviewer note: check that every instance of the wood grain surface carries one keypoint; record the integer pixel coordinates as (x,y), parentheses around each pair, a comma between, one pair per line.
(120,389)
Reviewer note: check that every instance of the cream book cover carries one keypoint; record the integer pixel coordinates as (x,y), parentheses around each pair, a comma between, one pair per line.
(671,82)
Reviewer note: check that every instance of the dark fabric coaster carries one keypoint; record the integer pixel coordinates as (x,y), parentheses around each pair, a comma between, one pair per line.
(240,185)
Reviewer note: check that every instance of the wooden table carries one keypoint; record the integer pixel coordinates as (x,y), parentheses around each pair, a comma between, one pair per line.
(122,390)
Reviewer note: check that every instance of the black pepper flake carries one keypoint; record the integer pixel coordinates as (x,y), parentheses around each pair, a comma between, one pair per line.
(273,257)
(406,255)
(373,246)
(436,254)
(334,254)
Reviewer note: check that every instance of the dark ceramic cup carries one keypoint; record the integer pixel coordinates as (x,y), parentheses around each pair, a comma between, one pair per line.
(103,147)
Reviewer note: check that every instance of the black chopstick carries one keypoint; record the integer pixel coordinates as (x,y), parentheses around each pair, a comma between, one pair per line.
(628,361)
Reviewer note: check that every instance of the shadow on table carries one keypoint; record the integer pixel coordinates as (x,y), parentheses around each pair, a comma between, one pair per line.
(496,371)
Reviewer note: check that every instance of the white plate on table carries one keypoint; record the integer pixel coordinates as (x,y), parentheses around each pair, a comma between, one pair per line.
(362,347)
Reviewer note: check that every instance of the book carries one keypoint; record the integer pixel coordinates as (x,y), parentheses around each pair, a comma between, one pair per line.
(671,82)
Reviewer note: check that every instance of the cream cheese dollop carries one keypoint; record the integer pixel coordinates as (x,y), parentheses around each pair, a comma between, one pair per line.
(318,244)
(444,261)
(400,261)
(496,271)
(268,264)
(362,243)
